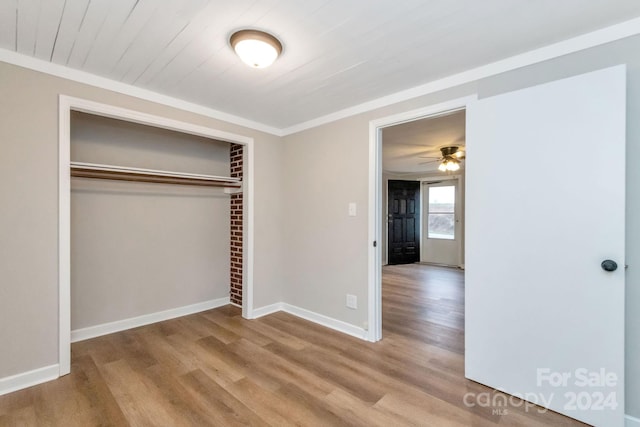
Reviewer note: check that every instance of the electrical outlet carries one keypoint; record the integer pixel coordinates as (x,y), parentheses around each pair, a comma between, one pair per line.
(352,301)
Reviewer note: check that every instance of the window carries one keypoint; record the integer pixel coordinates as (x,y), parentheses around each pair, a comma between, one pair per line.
(441,216)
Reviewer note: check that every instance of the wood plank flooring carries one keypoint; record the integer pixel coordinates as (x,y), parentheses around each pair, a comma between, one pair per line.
(217,369)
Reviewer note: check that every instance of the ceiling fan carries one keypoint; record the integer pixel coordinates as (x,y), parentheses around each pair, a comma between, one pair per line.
(450,159)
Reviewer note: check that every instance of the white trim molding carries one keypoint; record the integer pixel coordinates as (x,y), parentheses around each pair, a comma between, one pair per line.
(28,379)
(329,322)
(68,104)
(575,44)
(268,309)
(320,319)
(631,421)
(83,77)
(375,200)
(146,319)
(585,41)
(118,113)
(248,221)
(64,235)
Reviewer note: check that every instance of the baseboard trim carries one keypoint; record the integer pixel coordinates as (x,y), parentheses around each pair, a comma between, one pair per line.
(28,379)
(631,421)
(266,310)
(321,319)
(329,322)
(134,322)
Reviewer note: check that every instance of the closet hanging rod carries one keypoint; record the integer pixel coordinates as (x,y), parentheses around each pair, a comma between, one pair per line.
(123,173)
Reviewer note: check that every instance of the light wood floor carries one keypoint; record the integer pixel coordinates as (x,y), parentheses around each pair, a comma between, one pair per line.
(215,368)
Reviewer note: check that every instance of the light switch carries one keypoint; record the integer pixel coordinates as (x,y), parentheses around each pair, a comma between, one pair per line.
(352,301)
(352,209)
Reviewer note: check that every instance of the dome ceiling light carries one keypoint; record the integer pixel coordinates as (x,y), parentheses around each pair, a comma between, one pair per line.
(256,48)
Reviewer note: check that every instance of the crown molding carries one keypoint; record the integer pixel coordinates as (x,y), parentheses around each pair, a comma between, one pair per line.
(575,44)
(585,41)
(78,76)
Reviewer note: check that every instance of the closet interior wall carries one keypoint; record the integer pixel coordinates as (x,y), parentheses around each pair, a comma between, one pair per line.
(140,248)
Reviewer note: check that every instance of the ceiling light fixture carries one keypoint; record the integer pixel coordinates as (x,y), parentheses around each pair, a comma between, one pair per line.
(450,159)
(256,48)
(450,164)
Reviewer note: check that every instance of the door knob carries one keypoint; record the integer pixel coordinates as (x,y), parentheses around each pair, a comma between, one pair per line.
(609,265)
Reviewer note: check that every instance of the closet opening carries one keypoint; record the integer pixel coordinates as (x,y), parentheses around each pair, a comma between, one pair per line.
(156,220)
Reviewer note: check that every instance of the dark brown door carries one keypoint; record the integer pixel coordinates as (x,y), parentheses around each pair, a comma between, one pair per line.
(404,222)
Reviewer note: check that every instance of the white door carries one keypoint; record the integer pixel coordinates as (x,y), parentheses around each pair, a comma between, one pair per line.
(544,320)
(441,231)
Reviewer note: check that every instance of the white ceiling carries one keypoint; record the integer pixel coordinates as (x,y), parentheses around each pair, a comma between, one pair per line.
(337,53)
(405,146)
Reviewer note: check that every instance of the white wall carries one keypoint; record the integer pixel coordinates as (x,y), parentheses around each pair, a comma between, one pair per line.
(141,248)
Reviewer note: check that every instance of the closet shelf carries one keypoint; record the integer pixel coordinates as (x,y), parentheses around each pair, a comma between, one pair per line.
(122,173)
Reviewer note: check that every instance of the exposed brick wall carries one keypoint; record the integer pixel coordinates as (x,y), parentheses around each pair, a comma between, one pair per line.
(235,155)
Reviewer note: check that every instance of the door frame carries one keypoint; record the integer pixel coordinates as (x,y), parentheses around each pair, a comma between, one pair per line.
(425,184)
(374,257)
(68,104)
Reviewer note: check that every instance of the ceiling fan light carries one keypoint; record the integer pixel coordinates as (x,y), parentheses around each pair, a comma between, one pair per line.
(255,48)
(449,151)
(442,167)
(453,166)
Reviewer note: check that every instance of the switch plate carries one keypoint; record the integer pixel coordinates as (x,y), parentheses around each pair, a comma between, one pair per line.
(352,301)
(353,210)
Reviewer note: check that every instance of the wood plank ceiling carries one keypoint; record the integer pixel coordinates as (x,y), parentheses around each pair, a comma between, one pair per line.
(337,53)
